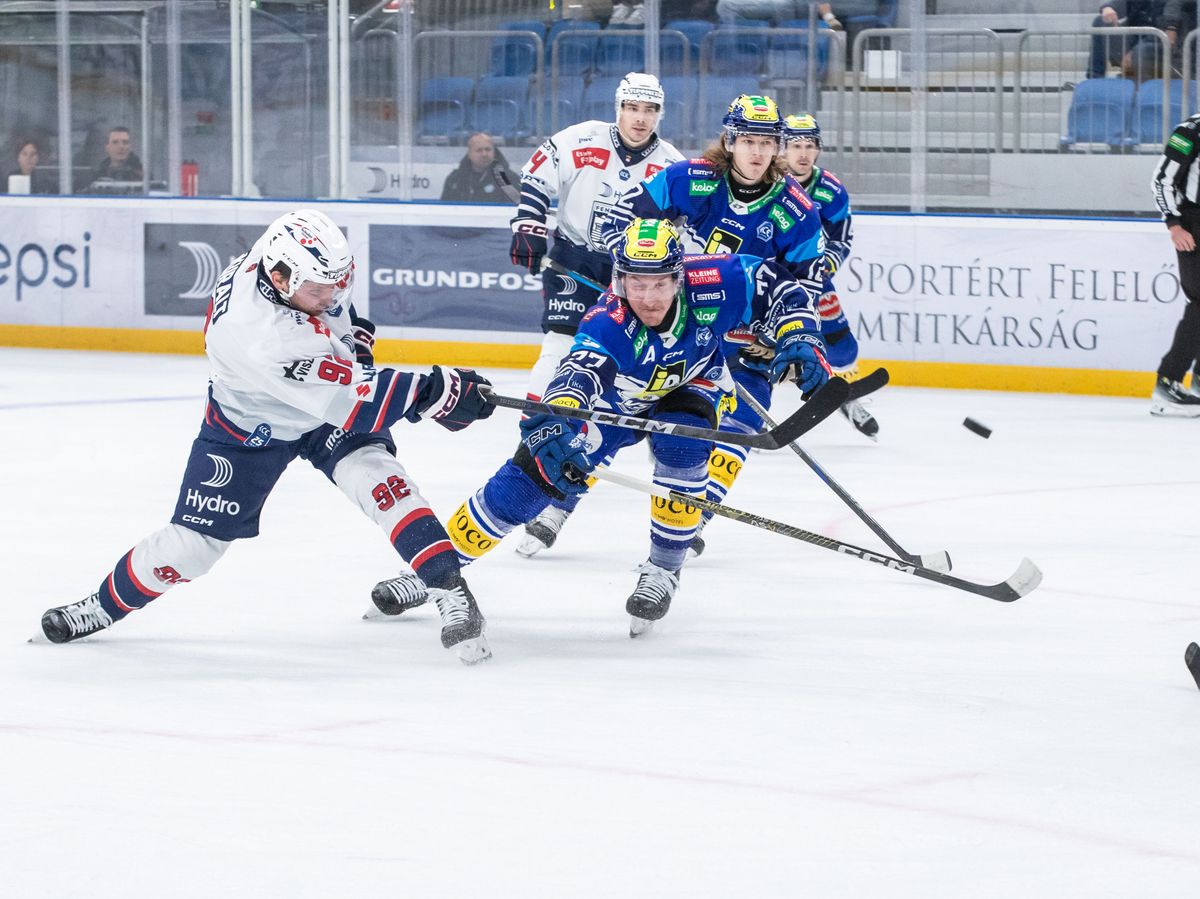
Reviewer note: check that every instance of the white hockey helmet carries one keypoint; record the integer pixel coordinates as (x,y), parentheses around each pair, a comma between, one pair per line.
(641,88)
(313,249)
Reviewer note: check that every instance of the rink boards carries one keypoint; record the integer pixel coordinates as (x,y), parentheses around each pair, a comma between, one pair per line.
(1058,305)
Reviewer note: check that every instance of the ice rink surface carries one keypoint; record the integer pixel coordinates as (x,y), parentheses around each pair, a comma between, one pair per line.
(801,724)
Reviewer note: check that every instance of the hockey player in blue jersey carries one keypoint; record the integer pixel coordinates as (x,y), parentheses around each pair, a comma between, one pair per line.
(651,347)
(739,199)
(802,139)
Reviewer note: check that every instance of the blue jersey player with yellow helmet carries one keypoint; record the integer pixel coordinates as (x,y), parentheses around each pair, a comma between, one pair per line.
(738,198)
(802,139)
(651,347)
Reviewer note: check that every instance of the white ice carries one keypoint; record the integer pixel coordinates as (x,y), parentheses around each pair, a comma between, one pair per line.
(801,724)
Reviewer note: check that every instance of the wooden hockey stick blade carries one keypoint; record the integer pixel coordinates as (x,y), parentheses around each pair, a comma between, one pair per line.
(820,406)
(868,384)
(1022,581)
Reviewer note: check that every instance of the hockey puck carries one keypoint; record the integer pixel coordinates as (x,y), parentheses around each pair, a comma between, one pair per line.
(976,428)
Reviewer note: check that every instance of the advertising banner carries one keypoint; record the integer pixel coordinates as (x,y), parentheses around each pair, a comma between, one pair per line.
(183,261)
(450,278)
(1056,293)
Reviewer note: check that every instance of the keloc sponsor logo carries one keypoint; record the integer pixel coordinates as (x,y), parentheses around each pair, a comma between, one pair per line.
(427,276)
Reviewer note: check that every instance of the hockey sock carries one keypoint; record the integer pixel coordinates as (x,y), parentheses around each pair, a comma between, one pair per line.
(724,465)
(378,484)
(506,501)
(680,465)
(171,555)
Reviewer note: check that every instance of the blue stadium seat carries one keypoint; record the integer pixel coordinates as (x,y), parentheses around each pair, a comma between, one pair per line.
(598,99)
(787,54)
(620,51)
(716,93)
(518,54)
(1100,113)
(736,50)
(564,103)
(680,111)
(694,30)
(573,46)
(442,107)
(500,106)
(1147,109)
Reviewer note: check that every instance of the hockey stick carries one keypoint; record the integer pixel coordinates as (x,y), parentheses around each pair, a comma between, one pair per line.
(939,561)
(868,384)
(1022,581)
(819,406)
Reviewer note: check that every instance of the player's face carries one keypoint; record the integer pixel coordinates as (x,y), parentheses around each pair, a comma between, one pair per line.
(310,297)
(636,121)
(650,296)
(752,156)
(802,155)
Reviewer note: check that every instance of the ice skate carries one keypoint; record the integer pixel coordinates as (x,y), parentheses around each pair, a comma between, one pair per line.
(864,422)
(74,621)
(1194,387)
(395,596)
(1169,398)
(541,533)
(462,622)
(651,599)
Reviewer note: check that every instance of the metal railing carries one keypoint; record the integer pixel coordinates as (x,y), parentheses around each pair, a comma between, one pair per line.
(1072,49)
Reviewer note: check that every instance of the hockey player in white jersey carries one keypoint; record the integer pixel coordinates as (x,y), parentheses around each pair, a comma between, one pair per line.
(585,168)
(292,375)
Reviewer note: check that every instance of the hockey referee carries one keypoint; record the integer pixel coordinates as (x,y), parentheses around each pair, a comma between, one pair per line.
(1176,187)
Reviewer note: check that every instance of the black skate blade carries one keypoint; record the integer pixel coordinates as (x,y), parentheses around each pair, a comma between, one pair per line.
(1191,657)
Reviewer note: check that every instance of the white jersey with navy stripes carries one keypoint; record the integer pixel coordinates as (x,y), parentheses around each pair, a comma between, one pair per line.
(273,365)
(585,168)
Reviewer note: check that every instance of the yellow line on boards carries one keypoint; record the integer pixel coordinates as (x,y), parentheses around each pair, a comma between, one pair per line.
(502,355)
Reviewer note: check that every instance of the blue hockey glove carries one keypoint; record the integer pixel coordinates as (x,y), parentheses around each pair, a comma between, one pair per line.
(558,446)
(800,356)
(451,397)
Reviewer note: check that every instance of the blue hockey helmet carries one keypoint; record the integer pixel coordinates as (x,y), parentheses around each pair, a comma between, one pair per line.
(647,247)
(801,127)
(752,114)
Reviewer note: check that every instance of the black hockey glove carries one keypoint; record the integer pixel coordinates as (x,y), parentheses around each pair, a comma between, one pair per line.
(451,397)
(363,333)
(528,244)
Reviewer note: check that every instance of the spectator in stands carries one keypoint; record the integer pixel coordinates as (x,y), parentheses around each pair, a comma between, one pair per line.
(29,156)
(474,181)
(1135,56)
(779,10)
(120,162)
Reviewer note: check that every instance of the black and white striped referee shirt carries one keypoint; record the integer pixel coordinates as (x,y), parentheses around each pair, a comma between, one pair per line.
(1176,182)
